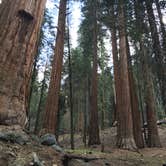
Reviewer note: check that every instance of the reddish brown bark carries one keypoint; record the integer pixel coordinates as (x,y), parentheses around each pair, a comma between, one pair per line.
(70,88)
(93,123)
(51,110)
(19,25)
(137,128)
(116,66)
(115,62)
(125,137)
(163,31)
(153,137)
(160,55)
(136,116)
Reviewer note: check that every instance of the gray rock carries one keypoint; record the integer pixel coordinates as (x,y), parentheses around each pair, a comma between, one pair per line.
(21,139)
(48,139)
(14,137)
(57,148)
(3,136)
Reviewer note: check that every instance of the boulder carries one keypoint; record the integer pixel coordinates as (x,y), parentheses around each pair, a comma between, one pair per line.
(48,139)
(14,136)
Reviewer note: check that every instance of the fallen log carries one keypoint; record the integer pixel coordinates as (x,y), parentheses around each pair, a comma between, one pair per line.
(68,157)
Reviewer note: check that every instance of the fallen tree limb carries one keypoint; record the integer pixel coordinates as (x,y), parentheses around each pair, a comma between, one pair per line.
(86,159)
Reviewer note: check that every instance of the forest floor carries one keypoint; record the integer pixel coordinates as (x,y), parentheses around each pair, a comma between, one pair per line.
(115,157)
(35,154)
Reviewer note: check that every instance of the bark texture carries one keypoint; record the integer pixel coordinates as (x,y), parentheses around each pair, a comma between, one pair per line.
(125,137)
(70,88)
(163,31)
(160,55)
(115,62)
(136,116)
(153,136)
(93,124)
(51,110)
(20,22)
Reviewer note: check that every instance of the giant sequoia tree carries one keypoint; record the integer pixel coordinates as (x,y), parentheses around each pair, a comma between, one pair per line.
(50,122)
(20,22)
(94,125)
(153,137)
(157,49)
(125,137)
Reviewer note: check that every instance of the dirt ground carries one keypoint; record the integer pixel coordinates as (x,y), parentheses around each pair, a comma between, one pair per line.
(13,154)
(116,157)
(22,155)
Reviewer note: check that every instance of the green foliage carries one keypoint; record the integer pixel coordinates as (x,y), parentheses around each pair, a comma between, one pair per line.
(42,66)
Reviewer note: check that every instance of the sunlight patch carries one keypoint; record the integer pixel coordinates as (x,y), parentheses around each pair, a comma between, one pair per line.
(50,4)
(164,20)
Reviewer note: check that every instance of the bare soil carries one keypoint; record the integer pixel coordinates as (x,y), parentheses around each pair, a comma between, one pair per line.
(13,154)
(117,157)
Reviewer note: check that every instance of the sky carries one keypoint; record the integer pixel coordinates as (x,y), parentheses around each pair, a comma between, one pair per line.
(74,21)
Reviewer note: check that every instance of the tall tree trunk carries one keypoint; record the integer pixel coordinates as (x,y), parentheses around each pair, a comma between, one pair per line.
(163,92)
(70,90)
(137,125)
(115,64)
(159,55)
(141,106)
(86,110)
(93,124)
(102,110)
(140,14)
(162,27)
(51,110)
(102,124)
(154,33)
(136,116)
(19,23)
(125,137)
(153,137)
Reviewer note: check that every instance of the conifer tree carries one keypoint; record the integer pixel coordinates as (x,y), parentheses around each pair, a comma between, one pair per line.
(19,25)
(51,109)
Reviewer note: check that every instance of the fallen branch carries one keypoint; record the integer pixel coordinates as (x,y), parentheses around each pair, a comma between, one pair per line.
(68,157)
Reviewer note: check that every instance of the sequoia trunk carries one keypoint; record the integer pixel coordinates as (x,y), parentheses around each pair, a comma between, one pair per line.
(20,22)
(153,137)
(51,110)
(115,63)
(93,124)
(159,54)
(136,116)
(163,92)
(125,137)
